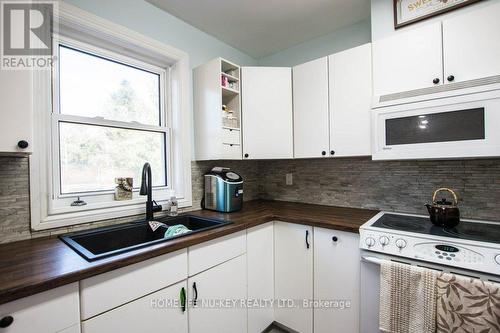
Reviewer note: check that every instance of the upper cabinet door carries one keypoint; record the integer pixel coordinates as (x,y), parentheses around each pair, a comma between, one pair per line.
(310,109)
(408,60)
(267,112)
(471,44)
(16,117)
(350,102)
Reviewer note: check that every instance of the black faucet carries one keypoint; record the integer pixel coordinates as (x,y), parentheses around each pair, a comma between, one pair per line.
(147,189)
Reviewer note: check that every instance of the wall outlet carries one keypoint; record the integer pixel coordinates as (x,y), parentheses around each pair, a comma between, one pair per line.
(289,179)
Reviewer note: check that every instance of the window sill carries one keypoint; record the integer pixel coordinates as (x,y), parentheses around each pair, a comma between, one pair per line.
(95,215)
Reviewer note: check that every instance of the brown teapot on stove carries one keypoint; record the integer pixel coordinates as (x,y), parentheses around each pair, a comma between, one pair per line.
(444,213)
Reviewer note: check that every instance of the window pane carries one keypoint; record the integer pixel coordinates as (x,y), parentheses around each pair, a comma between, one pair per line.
(93,156)
(91,86)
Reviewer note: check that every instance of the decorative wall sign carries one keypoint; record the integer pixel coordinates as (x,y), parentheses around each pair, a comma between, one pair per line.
(411,11)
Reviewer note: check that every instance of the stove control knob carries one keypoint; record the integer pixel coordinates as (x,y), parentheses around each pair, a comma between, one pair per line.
(384,240)
(497,259)
(400,243)
(370,241)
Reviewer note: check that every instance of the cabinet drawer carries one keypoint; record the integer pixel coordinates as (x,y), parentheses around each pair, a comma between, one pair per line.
(230,136)
(217,251)
(47,312)
(109,290)
(157,312)
(231,152)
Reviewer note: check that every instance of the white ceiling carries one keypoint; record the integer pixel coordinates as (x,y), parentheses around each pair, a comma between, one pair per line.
(263,27)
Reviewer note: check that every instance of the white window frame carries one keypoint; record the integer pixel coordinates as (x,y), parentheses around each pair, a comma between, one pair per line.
(61,203)
(89,33)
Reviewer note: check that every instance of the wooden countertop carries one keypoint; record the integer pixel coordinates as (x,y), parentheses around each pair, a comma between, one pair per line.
(36,265)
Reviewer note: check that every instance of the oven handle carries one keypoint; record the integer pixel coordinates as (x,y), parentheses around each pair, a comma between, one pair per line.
(378,261)
(373,260)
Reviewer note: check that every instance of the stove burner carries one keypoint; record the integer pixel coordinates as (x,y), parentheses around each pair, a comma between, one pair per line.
(476,231)
(407,223)
(482,232)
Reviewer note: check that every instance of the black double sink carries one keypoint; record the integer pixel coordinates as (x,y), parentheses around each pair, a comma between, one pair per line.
(108,241)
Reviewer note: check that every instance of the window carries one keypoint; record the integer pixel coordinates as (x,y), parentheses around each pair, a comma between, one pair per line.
(113,100)
(110,120)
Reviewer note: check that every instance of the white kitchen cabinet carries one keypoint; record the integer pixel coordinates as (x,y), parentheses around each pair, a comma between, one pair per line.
(106,291)
(260,263)
(332,104)
(267,112)
(293,275)
(408,60)
(212,253)
(471,44)
(217,110)
(73,329)
(311,130)
(47,312)
(336,281)
(350,93)
(224,283)
(16,115)
(161,311)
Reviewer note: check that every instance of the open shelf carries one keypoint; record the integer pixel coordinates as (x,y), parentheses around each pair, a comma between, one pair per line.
(228,92)
(231,128)
(230,77)
(227,66)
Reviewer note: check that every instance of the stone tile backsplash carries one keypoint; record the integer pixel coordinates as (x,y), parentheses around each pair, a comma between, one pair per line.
(402,186)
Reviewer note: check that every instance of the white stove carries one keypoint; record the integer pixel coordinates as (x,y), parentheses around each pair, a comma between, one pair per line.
(472,245)
(471,249)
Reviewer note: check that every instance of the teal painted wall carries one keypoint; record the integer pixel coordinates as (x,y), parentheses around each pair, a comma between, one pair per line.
(153,22)
(339,40)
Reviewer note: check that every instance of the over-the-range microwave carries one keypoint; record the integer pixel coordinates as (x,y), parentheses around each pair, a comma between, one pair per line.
(464,126)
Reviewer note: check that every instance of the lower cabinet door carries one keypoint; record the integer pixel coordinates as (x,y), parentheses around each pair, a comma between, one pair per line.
(260,258)
(336,281)
(215,297)
(161,311)
(293,276)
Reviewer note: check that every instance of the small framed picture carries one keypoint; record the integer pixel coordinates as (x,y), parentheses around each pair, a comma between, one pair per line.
(410,11)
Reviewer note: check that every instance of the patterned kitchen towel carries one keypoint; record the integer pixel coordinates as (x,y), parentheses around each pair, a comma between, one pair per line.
(407,298)
(467,305)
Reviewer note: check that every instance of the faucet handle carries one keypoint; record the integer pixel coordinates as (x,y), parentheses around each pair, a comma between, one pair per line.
(156,207)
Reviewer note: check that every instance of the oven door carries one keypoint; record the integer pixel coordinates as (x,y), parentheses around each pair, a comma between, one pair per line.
(369,296)
(458,127)
(370,284)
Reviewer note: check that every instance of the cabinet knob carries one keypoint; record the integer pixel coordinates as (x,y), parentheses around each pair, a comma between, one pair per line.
(246,155)
(323,153)
(450,78)
(435,81)
(335,238)
(6,321)
(332,152)
(23,144)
